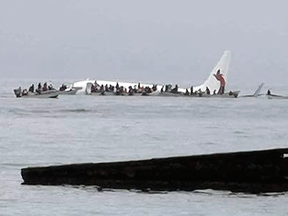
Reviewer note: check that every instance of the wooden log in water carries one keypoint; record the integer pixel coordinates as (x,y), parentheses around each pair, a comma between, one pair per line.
(251,171)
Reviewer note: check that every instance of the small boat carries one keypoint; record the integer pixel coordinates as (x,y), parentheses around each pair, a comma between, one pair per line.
(70,91)
(273,96)
(44,94)
(262,171)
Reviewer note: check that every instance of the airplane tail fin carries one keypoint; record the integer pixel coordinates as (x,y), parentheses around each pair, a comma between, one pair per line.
(222,67)
(258,90)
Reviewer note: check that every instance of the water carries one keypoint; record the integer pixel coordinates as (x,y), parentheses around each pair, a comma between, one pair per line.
(76,129)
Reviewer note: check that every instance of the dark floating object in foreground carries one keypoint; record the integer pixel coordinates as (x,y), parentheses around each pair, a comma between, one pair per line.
(250,172)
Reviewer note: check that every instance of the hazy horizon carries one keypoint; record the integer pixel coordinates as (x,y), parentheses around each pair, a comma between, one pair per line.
(173,41)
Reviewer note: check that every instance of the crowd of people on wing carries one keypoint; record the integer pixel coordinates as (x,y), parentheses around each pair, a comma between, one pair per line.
(146,90)
(121,90)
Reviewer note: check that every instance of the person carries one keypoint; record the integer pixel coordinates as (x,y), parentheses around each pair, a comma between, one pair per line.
(117,86)
(154,87)
(106,88)
(187,92)
(175,90)
(191,90)
(93,88)
(45,87)
(214,92)
(268,92)
(130,90)
(31,89)
(135,90)
(207,91)
(222,81)
(96,84)
(147,90)
(168,88)
(63,87)
(39,89)
(39,86)
(122,90)
(162,89)
(111,88)
(25,92)
(50,87)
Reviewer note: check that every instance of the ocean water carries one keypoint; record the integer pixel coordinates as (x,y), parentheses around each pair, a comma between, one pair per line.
(76,129)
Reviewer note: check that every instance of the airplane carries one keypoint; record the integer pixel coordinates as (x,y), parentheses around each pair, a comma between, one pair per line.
(256,93)
(218,75)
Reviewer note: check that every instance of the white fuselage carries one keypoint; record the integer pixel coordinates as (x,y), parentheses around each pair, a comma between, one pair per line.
(211,82)
(126,85)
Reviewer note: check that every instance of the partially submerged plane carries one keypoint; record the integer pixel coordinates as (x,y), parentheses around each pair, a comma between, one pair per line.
(257,93)
(215,83)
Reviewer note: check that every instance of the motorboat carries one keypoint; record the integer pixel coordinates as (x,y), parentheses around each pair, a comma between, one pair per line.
(43,94)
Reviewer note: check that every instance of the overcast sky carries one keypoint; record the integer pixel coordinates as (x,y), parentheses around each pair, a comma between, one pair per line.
(150,40)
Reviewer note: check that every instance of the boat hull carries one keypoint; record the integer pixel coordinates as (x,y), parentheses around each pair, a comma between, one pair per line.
(45,94)
(252,172)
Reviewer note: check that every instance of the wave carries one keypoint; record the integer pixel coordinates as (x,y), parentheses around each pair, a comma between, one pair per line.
(78,110)
(20,111)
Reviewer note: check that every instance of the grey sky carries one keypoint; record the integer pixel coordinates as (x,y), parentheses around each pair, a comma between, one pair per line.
(150,40)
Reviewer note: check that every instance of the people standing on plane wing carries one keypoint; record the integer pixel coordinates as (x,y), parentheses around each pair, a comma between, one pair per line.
(222,81)
(200,93)
(154,87)
(268,92)
(117,86)
(162,89)
(207,91)
(191,90)
(31,89)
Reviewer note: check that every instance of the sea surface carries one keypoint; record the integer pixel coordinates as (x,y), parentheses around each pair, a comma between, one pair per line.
(76,129)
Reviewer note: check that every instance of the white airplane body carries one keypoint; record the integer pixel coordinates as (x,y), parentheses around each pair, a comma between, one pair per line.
(212,83)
